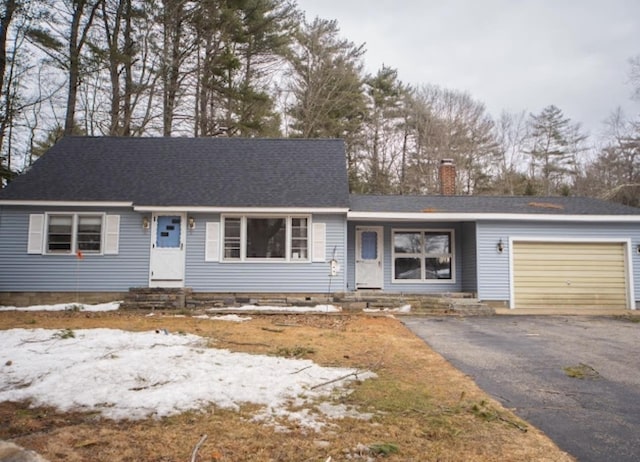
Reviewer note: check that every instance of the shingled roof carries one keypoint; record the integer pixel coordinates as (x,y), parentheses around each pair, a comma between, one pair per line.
(488,205)
(214,172)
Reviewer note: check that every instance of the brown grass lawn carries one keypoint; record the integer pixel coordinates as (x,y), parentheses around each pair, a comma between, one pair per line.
(425,410)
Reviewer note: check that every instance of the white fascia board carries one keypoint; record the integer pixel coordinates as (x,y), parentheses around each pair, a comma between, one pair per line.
(243,210)
(67,203)
(398,216)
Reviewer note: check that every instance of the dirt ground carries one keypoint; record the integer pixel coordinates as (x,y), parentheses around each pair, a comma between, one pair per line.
(424,409)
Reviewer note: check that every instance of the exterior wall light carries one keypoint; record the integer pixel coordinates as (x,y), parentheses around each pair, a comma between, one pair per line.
(500,246)
(145,222)
(192,223)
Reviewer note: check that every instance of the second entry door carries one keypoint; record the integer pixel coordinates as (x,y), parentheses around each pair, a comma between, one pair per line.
(369,266)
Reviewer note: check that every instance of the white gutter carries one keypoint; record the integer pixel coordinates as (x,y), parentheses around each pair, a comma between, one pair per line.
(419,216)
(67,203)
(297,210)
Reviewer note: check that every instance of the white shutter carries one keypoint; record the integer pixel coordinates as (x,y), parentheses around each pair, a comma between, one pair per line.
(212,242)
(319,241)
(112,234)
(36,234)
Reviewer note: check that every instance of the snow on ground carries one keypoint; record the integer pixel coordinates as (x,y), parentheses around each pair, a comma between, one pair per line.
(287,309)
(111,306)
(133,375)
(225,317)
(402,309)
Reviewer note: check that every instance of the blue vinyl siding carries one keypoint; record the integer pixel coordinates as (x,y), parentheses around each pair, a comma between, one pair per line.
(493,267)
(304,277)
(21,272)
(469,259)
(418,287)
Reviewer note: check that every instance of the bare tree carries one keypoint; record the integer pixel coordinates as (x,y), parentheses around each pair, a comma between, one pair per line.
(511,136)
(63,40)
(634,76)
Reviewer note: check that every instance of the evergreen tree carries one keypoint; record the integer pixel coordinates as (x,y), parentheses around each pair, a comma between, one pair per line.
(554,145)
(384,129)
(239,45)
(327,88)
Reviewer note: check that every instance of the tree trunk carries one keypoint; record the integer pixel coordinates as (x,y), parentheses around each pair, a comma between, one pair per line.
(10,8)
(74,57)
(127,107)
(76,42)
(114,64)
(173,17)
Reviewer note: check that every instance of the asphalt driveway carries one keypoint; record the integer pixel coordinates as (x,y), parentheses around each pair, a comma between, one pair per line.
(521,361)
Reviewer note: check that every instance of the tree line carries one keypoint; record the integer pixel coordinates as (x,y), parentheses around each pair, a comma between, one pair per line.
(259,68)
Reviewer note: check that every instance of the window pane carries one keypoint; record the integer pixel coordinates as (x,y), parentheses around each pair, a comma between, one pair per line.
(407,268)
(436,243)
(59,233)
(89,233)
(407,242)
(266,237)
(232,238)
(369,245)
(168,231)
(299,239)
(437,268)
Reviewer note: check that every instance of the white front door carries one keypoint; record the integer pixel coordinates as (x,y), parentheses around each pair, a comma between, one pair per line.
(166,268)
(369,267)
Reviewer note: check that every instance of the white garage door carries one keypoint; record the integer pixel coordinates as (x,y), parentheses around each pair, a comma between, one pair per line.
(569,275)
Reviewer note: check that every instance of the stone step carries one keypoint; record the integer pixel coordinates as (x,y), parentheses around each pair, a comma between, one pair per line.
(472,307)
(424,304)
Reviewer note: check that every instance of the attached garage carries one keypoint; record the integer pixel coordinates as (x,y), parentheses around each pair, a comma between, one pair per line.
(570,275)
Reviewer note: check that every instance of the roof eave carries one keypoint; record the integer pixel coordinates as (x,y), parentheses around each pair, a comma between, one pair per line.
(48,203)
(440,216)
(206,209)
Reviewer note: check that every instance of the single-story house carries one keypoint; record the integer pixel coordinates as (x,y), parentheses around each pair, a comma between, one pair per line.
(100,215)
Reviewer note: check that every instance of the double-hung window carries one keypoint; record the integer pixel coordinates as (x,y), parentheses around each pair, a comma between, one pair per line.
(70,233)
(423,255)
(256,238)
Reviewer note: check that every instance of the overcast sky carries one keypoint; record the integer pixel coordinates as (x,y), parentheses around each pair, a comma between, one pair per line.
(509,54)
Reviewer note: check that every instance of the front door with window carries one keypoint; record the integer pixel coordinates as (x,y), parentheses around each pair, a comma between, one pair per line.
(369,267)
(167,251)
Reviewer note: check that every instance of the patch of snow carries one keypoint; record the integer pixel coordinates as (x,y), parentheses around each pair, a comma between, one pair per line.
(133,375)
(402,309)
(110,306)
(225,317)
(285,309)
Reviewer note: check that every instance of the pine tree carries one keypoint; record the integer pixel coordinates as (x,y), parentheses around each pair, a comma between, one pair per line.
(327,88)
(554,145)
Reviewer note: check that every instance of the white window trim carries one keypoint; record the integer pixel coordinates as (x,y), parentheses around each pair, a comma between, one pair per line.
(243,239)
(422,255)
(74,233)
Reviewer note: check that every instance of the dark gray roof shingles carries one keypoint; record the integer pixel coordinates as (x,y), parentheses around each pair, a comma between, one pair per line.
(489,204)
(215,172)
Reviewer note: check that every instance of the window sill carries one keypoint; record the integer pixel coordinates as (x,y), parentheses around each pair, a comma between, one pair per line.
(423,281)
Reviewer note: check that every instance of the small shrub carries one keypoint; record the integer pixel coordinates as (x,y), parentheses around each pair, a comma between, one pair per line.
(384,449)
(64,334)
(295,352)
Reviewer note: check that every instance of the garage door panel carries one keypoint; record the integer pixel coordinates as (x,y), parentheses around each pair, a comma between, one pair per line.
(578,296)
(544,279)
(560,289)
(575,255)
(574,273)
(563,275)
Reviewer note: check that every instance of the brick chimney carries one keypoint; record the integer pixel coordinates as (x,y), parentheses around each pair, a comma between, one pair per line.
(447,175)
